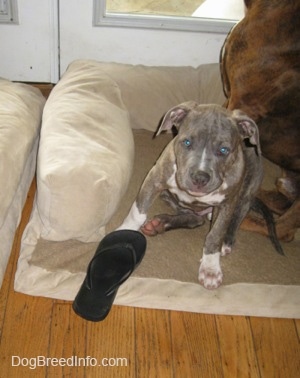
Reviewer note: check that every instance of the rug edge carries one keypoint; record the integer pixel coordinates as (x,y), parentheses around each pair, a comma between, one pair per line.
(276,301)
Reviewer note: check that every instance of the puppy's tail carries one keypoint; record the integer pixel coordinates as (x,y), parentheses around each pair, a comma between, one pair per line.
(258,206)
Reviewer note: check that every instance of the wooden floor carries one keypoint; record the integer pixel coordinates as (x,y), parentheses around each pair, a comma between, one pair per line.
(136,342)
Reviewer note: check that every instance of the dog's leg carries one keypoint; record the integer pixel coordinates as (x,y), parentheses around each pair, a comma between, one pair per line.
(288,190)
(185,218)
(285,203)
(289,185)
(286,225)
(210,273)
(238,216)
(217,242)
(274,200)
(137,215)
(134,219)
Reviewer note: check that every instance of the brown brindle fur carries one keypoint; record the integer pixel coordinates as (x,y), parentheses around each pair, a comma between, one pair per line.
(260,67)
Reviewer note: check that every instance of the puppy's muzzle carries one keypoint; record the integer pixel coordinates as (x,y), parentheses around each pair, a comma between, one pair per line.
(199,179)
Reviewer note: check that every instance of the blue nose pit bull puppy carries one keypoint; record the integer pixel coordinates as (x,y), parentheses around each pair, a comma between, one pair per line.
(213,165)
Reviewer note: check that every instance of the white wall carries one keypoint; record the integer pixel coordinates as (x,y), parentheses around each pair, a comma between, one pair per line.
(28,50)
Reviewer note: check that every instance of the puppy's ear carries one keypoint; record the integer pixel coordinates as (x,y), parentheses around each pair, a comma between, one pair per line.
(247,128)
(175,116)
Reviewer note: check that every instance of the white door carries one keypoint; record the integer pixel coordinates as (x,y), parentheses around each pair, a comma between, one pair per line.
(118,41)
(29,40)
(44,36)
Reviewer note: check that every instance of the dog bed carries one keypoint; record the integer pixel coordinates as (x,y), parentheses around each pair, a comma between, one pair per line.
(64,230)
(20,118)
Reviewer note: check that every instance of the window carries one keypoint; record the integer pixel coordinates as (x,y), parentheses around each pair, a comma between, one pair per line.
(8,12)
(194,15)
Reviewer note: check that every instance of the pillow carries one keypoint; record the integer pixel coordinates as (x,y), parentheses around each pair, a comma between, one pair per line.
(211,88)
(149,92)
(85,156)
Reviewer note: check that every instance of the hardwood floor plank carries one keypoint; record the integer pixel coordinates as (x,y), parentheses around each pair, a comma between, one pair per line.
(4,292)
(153,343)
(112,343)
(45,88)
(25,319)
(237,348)
(277,347)
(7,283)
(196,351)
(67,341)
(25,335)
(297,324)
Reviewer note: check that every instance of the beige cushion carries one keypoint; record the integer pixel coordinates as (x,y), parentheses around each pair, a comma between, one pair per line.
(211,88)
(85,156)
(149,92)
(20,115)
(20,118)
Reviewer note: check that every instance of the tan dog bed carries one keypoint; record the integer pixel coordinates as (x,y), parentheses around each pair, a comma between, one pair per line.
(96,109)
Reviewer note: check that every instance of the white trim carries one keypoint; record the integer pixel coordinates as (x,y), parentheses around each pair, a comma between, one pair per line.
(54,41)
(103,18)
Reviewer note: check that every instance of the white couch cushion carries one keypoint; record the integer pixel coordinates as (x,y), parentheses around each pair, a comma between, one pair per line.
(21,108)
(20,116)
(85,156)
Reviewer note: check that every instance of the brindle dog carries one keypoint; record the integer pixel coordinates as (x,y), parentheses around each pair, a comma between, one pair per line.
(260,67)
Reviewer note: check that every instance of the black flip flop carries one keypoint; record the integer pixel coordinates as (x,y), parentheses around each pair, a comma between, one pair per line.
(116,257)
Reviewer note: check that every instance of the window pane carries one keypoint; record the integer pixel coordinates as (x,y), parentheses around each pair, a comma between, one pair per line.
(215,9)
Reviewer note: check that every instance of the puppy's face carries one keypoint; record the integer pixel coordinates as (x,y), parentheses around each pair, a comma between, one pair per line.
(206,147)
(210,146)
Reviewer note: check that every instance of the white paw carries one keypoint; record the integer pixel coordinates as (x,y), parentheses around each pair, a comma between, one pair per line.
(226,249)
(210,273)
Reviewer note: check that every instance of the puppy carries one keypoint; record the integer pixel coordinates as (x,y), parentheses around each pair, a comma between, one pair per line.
(213,165)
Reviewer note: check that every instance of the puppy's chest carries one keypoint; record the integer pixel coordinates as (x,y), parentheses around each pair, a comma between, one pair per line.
(195,203)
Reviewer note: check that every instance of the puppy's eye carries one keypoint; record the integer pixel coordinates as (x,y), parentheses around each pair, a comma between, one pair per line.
(187,143)
(223,151)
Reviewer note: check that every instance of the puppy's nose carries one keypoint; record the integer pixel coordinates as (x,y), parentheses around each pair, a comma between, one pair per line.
(200,178)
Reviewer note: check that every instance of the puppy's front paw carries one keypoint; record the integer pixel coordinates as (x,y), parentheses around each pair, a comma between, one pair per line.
(153,227)
(210,273)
